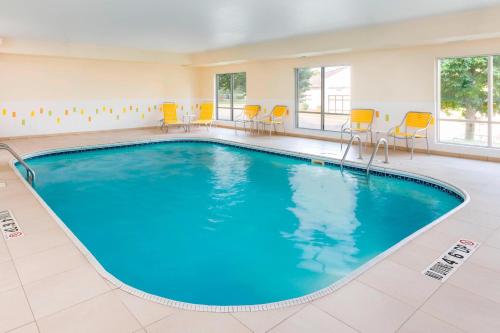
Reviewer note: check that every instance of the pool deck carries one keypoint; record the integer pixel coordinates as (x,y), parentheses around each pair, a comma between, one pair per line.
(47,284)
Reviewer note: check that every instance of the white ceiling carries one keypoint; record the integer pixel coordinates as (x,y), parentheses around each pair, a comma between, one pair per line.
(197,25)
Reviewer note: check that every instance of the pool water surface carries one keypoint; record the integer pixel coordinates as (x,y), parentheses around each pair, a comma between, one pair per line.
(214,224)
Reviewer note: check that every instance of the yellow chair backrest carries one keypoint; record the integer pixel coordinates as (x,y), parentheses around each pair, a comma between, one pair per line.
(169,112)
(279,111)
(251,111)
(206,111)
(362,116)
(418,119)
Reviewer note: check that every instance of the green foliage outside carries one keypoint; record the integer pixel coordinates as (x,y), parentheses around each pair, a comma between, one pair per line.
(304,76)
(464,89)
(224,87)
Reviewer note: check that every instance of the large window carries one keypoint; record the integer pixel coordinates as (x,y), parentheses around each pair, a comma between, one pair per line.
(231,95)
(323,97)
(469,101)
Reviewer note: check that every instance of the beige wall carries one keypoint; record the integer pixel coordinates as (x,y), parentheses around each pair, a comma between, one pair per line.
(52,78)
(44,95)
(391,80)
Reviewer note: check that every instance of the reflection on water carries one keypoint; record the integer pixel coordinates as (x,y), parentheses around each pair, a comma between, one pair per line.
(325,205)
(229,174)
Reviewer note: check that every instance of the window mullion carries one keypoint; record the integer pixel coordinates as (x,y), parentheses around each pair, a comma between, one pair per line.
(322,98)
(232,96)
(490,100)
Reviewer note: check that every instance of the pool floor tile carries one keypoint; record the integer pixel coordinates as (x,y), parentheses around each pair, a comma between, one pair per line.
(365,308)
(8,276)
(461,229)
(479,280)
(262,321)
(312,319)
(494,239)
(30,328)
(422,322)
(415,256)
(104,313)
(14,310)
(393,279)
(487,256)
(464,309)
(37,242)
(206,322)
(49,262)
(145,311)
(62,290)
(436,240)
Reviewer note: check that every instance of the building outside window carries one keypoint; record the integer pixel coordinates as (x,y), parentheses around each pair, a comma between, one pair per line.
(323,97)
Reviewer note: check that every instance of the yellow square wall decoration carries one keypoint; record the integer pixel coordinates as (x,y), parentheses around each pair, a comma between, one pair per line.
(4,112)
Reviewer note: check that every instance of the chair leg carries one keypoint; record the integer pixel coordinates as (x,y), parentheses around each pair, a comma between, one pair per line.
(427,143)
(394,144)
(412,147)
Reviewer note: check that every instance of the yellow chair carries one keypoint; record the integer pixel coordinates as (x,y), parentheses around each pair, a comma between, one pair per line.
(276,117)
(360,121)
(415,125)
(170,116)
(206,116)
(250,112)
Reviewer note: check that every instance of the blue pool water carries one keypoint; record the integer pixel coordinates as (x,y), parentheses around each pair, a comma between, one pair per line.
(214,224)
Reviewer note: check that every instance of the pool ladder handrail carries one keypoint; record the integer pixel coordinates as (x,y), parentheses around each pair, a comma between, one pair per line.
(386,153)
(30,174)
(360,156)
(372,157)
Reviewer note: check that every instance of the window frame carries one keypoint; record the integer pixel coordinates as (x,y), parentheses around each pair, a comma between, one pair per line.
(231,108)
(322,113)
(489,121)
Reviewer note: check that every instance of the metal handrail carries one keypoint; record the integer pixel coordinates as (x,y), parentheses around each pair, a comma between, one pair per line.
(30,174)
(386,153)
(354,137)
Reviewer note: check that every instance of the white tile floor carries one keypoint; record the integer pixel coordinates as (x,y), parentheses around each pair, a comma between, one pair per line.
(47,285)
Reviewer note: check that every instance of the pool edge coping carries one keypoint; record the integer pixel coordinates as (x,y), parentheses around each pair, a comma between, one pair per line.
(244,308)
